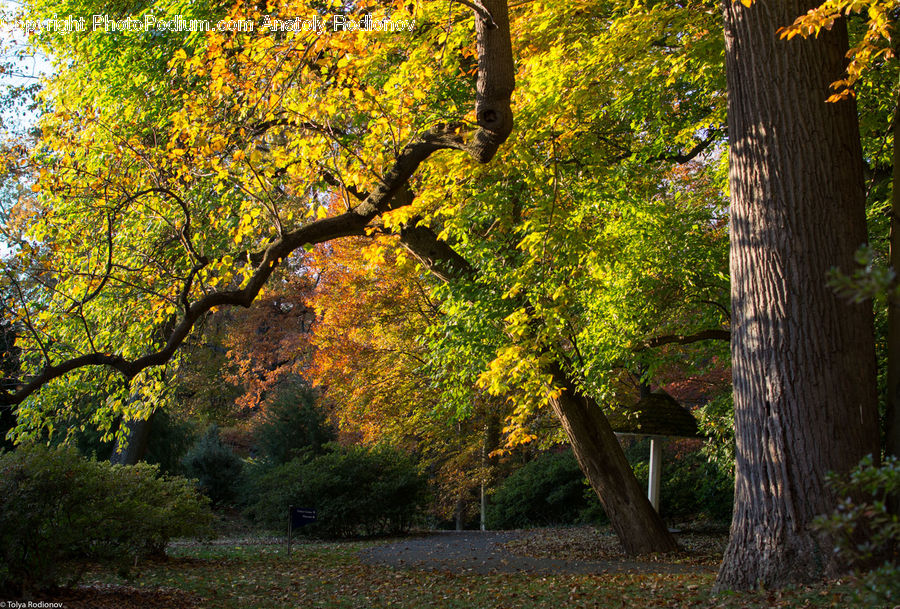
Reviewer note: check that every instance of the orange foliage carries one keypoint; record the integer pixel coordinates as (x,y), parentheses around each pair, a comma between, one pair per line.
(370,311)
(269,341)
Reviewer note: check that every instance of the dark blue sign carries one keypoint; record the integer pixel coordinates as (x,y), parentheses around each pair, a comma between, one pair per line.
(302,516)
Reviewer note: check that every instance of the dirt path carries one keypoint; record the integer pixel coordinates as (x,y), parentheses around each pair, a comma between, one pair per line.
(486,552)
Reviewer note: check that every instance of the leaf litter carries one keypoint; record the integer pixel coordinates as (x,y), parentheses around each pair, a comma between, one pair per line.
(332,575)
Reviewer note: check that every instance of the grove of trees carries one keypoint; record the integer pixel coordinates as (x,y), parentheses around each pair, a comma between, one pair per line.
(495,218)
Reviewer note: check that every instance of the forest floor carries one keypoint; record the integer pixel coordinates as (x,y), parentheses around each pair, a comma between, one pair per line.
(579,567)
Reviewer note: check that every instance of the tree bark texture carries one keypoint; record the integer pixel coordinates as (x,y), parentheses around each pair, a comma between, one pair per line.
(892,401)
(638,526)
(803,358)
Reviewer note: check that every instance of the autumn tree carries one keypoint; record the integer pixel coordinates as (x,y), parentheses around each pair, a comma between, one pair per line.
(221,175)
(372,359)
(588,250)
(267,343)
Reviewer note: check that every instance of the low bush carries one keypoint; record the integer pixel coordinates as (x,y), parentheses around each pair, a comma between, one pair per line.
(355,491)
(552,490)
(215,467)
(549,490)
(59,512)
(691,486)
(866,531)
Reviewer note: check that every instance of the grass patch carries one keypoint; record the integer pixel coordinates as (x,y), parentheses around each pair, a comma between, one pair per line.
(249,574)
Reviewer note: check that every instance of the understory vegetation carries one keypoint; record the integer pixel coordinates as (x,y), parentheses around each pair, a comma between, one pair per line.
(60,513)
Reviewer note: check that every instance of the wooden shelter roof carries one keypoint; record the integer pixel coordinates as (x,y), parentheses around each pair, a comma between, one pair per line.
(655,415)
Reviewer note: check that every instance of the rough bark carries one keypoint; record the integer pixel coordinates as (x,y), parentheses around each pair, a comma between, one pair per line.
(803,359)
(638,526)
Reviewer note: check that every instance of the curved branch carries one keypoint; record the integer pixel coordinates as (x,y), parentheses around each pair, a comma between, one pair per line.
(185,232)
(495,86)
(480,10)
(711,136)
(109,263)
(687,339)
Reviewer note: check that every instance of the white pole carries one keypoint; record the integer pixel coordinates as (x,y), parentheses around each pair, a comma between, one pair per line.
(483,508)
(655,468)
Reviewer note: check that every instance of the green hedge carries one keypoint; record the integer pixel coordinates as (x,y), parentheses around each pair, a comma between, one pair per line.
(355,490)
(548,490)
(691,486)
(552,490)
(60,512)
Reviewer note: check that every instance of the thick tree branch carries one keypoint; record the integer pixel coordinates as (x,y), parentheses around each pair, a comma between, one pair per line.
(437,256)
(480,10)
(687,339)
(494,89)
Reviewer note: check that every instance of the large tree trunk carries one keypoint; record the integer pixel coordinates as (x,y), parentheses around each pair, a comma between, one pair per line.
(803,359)
(892,401)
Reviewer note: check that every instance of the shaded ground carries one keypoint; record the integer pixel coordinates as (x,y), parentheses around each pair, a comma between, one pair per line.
(588,543)
(582,550)
(115,596)
(254,572)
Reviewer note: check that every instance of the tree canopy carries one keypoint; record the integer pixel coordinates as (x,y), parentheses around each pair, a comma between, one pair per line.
(537,195)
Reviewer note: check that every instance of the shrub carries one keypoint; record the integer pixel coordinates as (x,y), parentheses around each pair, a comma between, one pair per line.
(355,490)
(170,439)
(691,486)
(551,489)
(215,467)
(292,425)
(866,531)
(60,511)
(716,421)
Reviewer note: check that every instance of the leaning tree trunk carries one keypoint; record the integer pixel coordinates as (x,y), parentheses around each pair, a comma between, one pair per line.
(638,526)
(803,358)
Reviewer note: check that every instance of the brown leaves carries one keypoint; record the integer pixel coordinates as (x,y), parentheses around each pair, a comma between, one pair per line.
(248,573)
(589,543)
(113,596)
